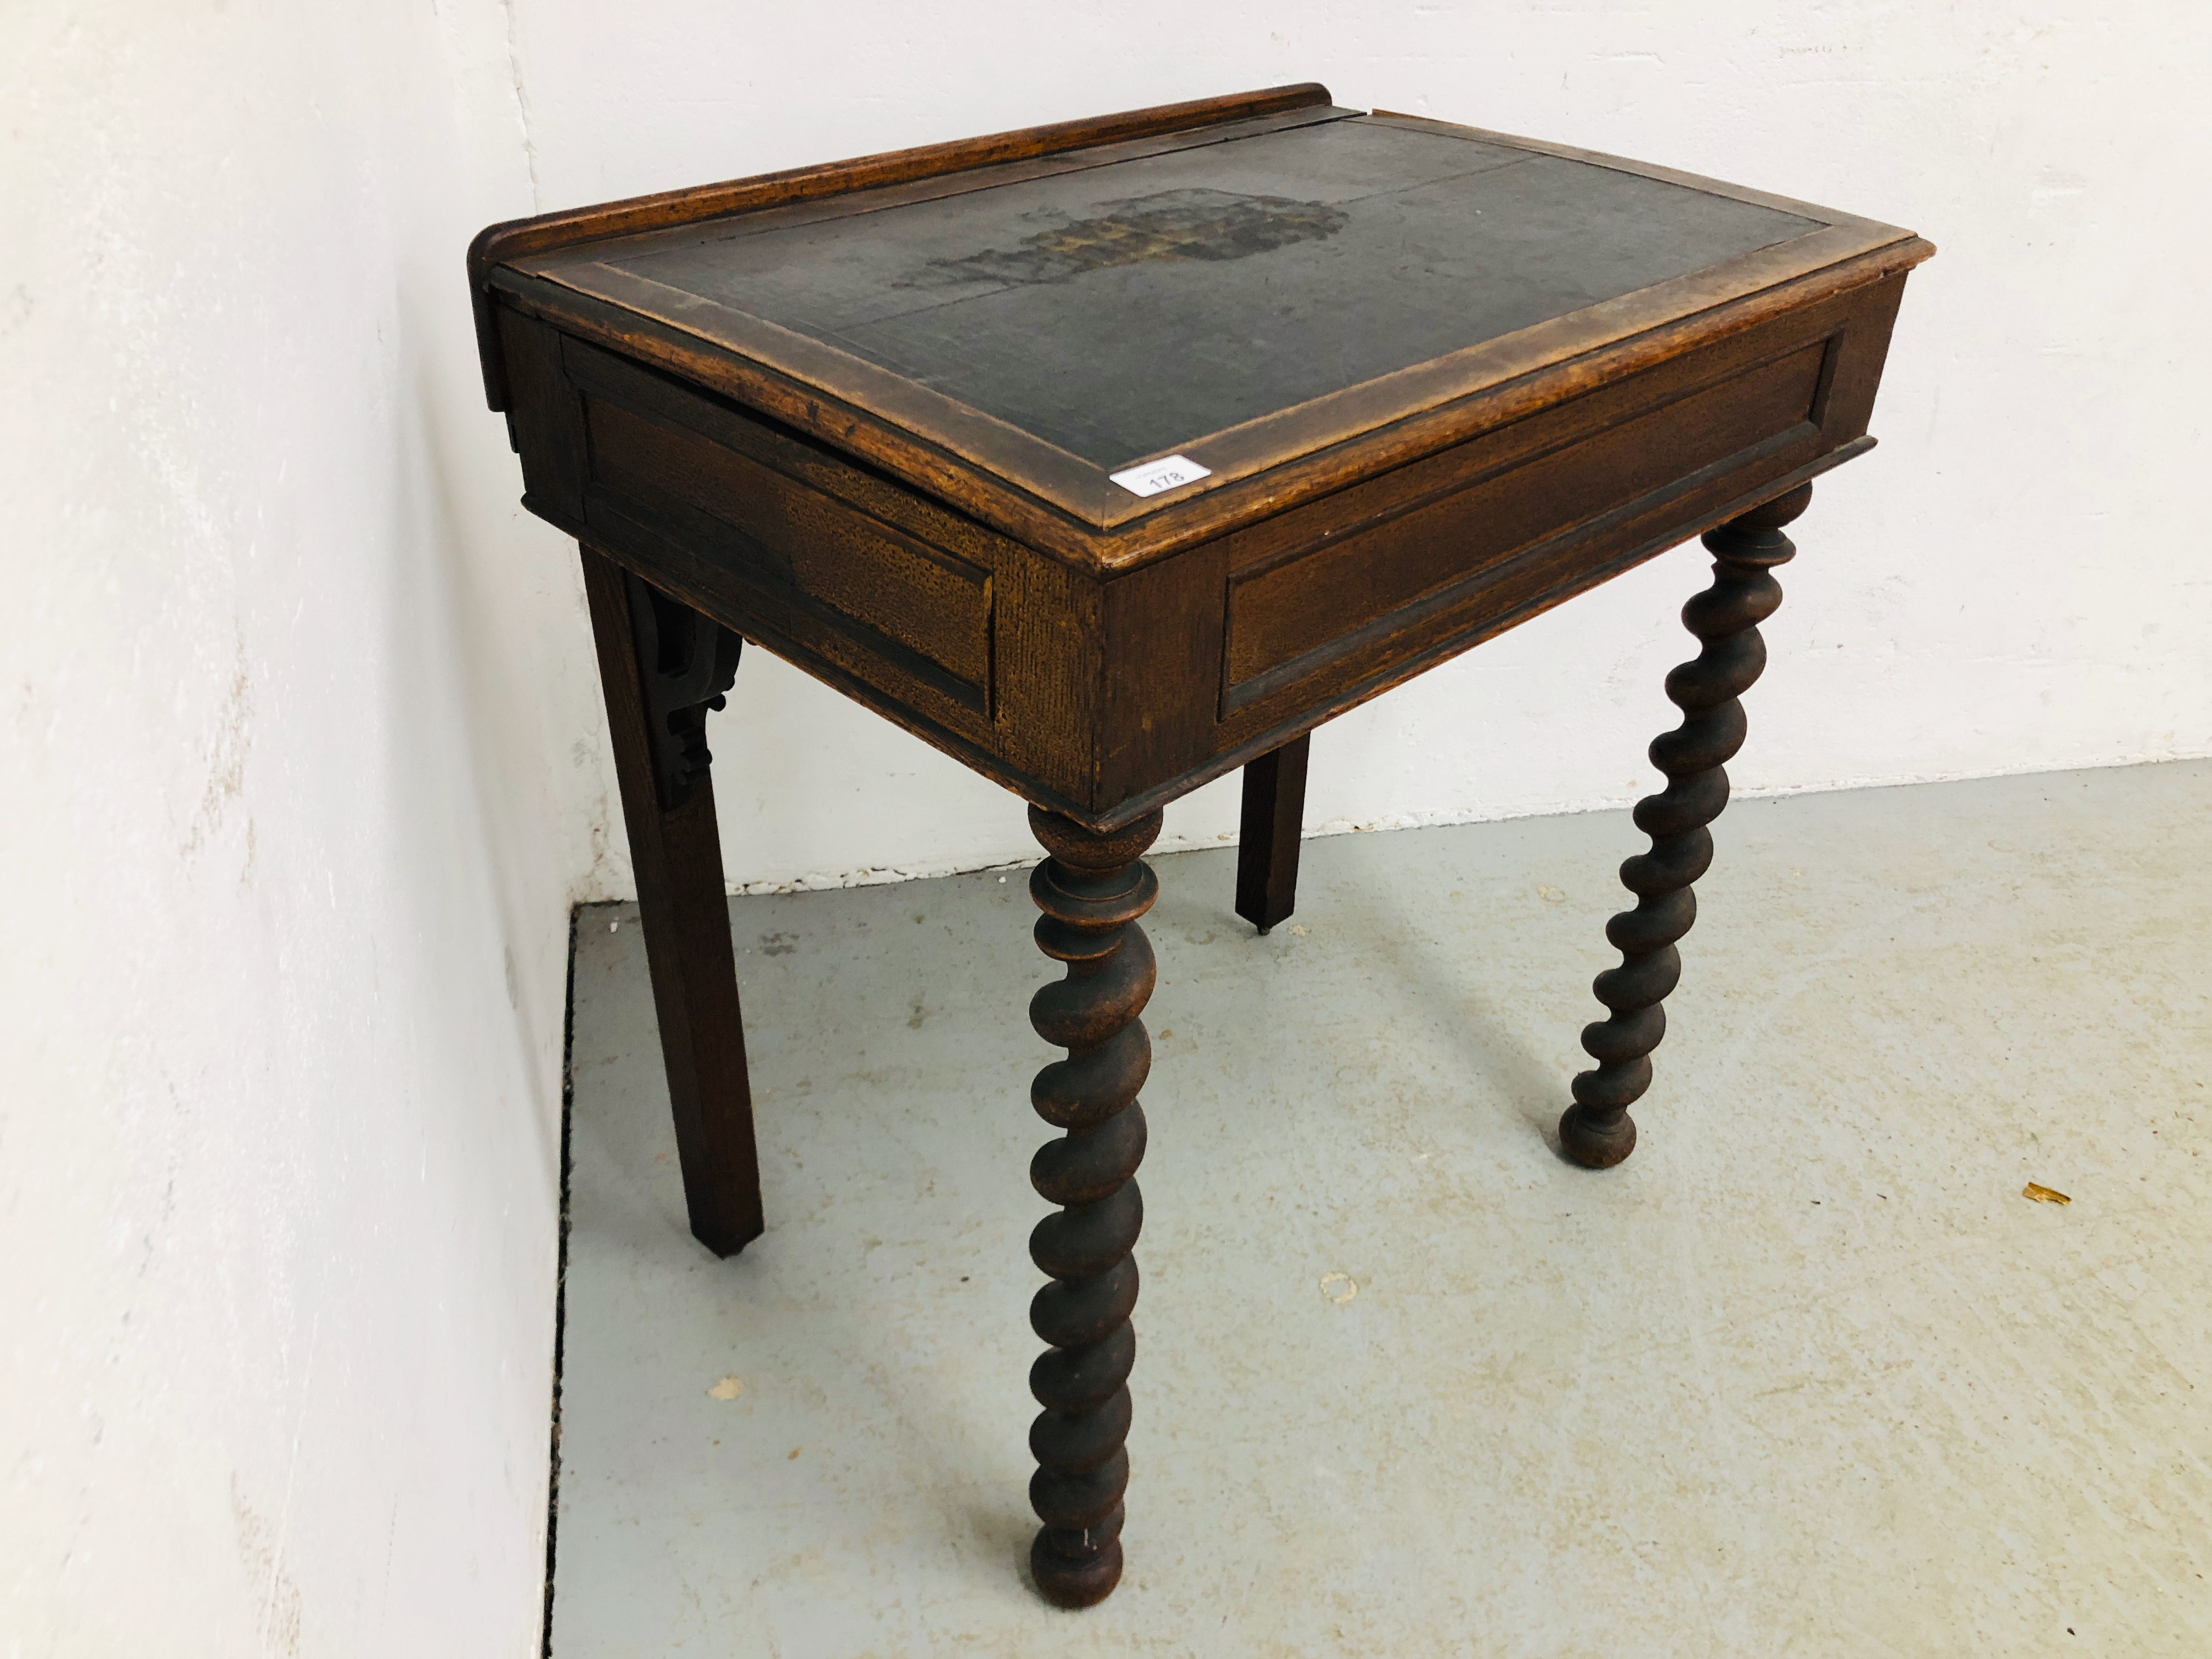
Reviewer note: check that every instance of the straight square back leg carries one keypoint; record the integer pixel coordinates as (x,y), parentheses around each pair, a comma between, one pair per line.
(662,666)
(1267,841)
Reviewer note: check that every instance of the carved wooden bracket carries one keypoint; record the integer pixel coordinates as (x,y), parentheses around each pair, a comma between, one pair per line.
(686,662)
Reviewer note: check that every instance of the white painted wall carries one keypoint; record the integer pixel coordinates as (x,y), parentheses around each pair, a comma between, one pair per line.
(299,732)
(290,836)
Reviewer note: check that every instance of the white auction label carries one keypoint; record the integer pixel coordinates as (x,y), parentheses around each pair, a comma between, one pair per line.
(1153,477)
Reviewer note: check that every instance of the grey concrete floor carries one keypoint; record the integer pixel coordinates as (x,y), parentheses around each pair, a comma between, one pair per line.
(1809,1374)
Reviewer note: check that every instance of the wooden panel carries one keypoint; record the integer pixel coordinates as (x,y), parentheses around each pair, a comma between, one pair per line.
(1162,666)
(1478,607)
(671,400)
(546,419)
(1047,622)
(1862,347)
(1288,615)
(904,581)
(933,604)
(1550,574)
(1012,690)
(864,665)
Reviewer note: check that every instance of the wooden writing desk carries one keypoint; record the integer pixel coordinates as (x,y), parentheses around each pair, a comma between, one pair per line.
(1111,456)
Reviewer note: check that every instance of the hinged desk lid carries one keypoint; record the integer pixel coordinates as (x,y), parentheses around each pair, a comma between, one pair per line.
(1235,296)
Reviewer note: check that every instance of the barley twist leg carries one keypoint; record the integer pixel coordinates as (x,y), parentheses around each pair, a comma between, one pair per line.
(1092,890)
(1597,1131)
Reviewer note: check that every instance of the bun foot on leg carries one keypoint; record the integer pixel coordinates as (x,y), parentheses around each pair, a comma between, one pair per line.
(1078,1568)
(1596,1139)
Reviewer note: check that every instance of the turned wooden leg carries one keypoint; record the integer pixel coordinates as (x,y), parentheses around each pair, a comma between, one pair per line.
(1267,841)
(1597,1131)
(662,666)
(1092,890)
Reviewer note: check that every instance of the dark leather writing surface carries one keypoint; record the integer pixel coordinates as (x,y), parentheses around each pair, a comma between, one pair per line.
(1119,311)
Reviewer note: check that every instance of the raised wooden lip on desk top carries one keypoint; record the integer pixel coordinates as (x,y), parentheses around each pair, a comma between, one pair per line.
(1067,506)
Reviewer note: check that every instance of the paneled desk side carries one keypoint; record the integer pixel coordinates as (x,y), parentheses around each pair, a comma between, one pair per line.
(1102,687)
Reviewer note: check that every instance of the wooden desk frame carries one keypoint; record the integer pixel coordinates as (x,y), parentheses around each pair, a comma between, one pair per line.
(1101,655)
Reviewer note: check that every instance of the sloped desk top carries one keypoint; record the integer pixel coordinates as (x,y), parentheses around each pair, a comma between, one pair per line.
(1253,293)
